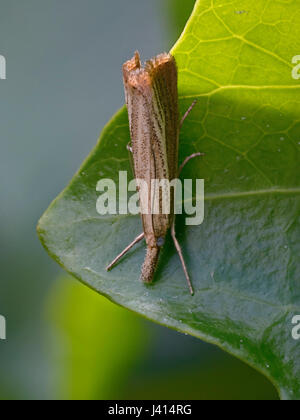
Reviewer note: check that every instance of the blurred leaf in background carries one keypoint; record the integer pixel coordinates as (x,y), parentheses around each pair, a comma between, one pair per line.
(95,343)
(177,13)
(221,378)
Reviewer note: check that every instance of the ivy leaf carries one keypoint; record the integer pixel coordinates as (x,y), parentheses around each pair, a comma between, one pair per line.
(236,59)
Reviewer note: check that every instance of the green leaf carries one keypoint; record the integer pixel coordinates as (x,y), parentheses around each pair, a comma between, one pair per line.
(236,58)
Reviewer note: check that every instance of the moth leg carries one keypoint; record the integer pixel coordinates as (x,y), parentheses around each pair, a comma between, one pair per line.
(187,112)
(179,251)
(129,148)
(137,239)
(187,159)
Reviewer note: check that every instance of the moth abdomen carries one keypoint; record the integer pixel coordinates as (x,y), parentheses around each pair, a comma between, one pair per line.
(150,264)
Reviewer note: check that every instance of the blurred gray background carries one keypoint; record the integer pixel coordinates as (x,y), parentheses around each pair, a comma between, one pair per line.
(63,85)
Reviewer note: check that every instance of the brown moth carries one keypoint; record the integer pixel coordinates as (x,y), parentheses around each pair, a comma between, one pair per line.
(152,103)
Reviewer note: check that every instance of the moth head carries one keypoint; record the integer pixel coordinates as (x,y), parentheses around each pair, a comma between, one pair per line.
(140,79)
(131,66)
(135,76)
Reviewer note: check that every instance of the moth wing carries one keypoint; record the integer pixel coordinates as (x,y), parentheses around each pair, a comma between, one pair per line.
(163,73)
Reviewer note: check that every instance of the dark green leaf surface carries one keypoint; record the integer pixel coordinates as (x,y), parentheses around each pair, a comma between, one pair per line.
(236,59)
